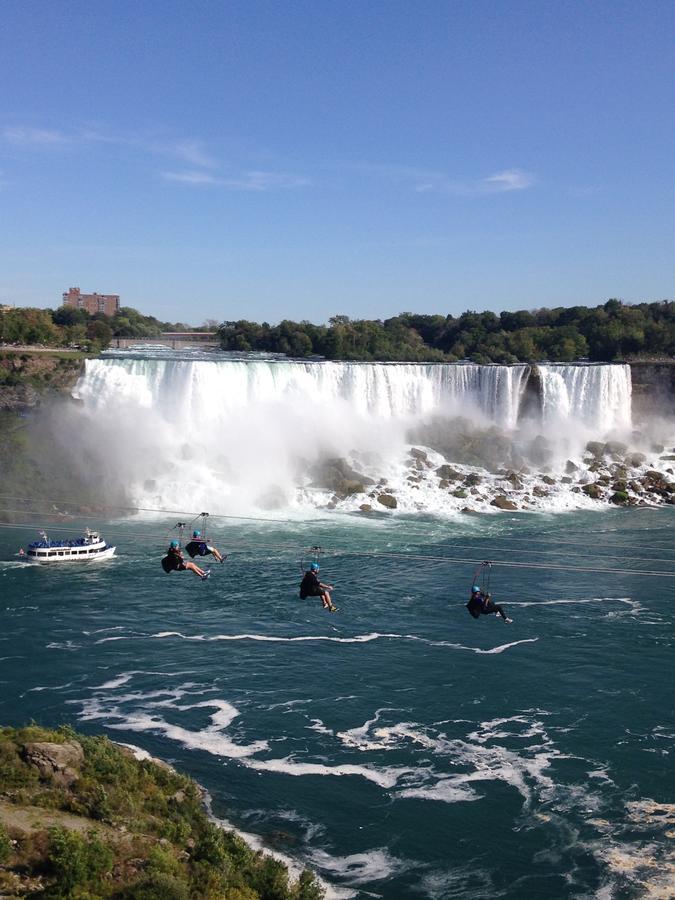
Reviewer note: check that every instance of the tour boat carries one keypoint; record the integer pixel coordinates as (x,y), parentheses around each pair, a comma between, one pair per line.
(85,549)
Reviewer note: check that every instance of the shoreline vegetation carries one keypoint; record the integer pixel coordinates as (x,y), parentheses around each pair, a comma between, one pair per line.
(83,818)
(611,332)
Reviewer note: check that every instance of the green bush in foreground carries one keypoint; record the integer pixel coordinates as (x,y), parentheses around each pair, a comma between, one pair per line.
(141,833)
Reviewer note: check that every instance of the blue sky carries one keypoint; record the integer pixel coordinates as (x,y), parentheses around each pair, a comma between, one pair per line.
(270,160)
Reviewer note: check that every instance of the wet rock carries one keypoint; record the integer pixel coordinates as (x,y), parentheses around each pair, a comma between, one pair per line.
(635,486)
(502,502)
(448,473)
(636,459)
(366,508)
(592,490)
(56,762)
(548,480)
(472,479)
(415,478)
(539,491)
(346,488)
(387,500)
(566,479)
(604,480)
(468,510)
(539,450)
(620,498)
(596,448)
(514,480)
(443,484)
(571,467)
(416,453)
(338,476)
(458,492)
(619,485)
(616,449)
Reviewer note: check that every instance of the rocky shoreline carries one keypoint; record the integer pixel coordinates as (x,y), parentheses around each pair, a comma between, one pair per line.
(607,473)
(83,817)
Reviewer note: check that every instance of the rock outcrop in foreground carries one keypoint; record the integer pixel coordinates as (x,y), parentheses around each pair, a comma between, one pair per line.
(81,817)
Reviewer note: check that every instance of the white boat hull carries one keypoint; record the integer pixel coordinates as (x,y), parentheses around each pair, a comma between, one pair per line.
(108,553)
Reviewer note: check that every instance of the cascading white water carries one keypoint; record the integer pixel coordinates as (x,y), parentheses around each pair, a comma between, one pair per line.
(597,396)
(244,434)
(383,391)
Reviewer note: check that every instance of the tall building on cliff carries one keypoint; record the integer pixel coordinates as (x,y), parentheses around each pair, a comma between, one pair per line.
(92,303)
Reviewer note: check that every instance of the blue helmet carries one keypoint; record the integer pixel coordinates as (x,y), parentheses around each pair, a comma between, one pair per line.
(196,534)
(475,588)
(314,567)
(173,544)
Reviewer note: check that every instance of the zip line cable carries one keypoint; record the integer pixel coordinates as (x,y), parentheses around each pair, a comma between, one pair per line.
(381,554)
(294,522)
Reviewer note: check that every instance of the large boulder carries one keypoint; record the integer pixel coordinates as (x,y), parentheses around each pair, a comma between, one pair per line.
(387,500)
(338,476)
(616,449)
(635,459)
(502,502)
(597,448)
(60,763)
(448,473)
(571,467)
(620,498)
(594,491)
(472,479)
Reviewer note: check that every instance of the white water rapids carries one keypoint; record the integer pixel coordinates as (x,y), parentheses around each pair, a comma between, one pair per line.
(247,434)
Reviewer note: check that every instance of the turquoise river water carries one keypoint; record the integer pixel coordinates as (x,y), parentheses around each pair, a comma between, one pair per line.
(398,747)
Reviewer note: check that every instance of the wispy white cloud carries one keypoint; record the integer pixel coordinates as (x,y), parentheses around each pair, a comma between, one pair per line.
(255,180)
(186,150)
(508,180)
(42,136)
(430,181)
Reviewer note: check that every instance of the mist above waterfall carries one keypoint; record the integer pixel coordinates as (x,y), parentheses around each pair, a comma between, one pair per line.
(245,435)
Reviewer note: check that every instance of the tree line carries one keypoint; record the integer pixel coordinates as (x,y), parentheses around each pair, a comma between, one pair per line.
(611,332)
(69,326)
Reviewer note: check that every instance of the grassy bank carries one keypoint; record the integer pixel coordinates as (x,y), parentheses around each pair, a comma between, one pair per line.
(81,818)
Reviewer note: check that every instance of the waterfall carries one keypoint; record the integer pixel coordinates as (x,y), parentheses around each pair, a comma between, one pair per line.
(596,396)
(382,391)
(243,434)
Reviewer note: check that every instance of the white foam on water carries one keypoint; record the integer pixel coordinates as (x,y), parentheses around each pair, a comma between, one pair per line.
(446,790)
(114,682)
(64,645)
(51,687)
(360,868)
(274,639)
(356,639)
(211,739)
(383,777)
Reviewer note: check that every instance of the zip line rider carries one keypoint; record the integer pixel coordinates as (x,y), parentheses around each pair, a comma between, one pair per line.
(481,604)
(312,587)
(174,562)
(198,546)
